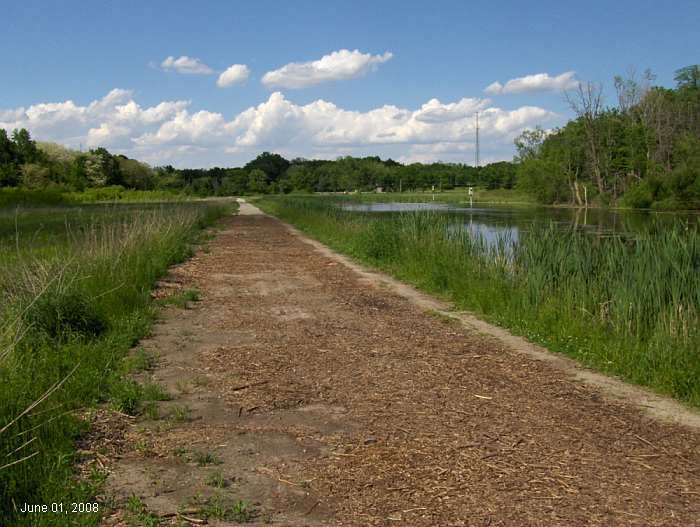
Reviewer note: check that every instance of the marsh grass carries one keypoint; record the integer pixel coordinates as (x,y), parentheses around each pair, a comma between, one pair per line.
(75,284)
(628,307)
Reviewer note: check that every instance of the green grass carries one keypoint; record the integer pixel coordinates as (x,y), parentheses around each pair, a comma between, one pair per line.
(458,195)
(181,414)
(219,507)
(30,198)
(181,299)
(206,458)
(75,283)
(41,198)
(138,514)
(117,193)
(628,307)
(216,479)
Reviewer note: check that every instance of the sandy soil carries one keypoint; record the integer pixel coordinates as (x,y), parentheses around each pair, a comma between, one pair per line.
(328,397)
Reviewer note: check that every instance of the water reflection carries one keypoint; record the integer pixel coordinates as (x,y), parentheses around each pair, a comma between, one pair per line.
(492,222)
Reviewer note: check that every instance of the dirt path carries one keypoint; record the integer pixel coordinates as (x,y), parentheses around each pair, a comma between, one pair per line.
(321,397)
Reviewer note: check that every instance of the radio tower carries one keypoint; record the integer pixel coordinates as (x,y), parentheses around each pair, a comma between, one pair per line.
(477,139)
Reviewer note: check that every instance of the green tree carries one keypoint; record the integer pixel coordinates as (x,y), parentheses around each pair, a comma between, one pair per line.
(544,180)
(274,165)
(301,177)
(529,143)
(102,168)
(257,181)
(25,149)
(9,176)
(135,174)
(7,149)
(688,77)
(35,176)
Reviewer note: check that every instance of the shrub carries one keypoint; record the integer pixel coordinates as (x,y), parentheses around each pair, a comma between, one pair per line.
(64,315)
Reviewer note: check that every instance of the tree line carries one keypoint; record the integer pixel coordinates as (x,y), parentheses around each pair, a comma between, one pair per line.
(35,165)
(643,152)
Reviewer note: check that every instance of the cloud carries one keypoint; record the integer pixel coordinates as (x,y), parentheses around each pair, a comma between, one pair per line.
(339,65)
(234,74)
(171,132)
(534,83)
(186,65)
(435,112)
(110,121)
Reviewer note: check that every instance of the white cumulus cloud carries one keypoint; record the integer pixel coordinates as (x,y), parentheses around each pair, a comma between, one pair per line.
(186,65)
(171,132)
(338,65)
(534,83)
(234,74)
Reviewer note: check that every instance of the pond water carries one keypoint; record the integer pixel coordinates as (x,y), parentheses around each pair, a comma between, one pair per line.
(496,221)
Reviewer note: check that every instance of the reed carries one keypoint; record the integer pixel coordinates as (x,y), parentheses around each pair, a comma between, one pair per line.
(627,307)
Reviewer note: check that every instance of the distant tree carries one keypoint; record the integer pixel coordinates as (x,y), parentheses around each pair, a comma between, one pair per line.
(631,91)
(9,175)
(529,143)
(274,165)
(301,177)
(688,77)
(257,181)
(102,168)
(54,152)
(587,102)
(77,173)
(35,176)
(135,174)
(7,149)
(25,149)
(544,180)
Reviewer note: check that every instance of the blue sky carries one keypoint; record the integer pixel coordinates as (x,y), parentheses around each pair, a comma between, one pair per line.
(364,103)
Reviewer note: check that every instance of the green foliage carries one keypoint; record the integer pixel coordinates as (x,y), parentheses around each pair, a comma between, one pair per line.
(75,283)
(257,181)
(138,514)
(180,299)
(30,198)
(272,165)
(544,179)
(218,507)
(98,175)
(615,153)
(64,313)
(140,360)
(529,143)
(216,479)
(119,193)
(206,458)
(688,77)
(640,196)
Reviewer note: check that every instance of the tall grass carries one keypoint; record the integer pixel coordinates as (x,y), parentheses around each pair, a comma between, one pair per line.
(55,196)
(118,193)
(75,286)
(628,307)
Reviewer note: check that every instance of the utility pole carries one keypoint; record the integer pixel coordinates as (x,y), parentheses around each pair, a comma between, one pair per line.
(477,139)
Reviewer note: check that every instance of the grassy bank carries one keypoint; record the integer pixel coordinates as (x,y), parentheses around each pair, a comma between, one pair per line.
(625,307)
(75,283)
(458,195)
(39,198)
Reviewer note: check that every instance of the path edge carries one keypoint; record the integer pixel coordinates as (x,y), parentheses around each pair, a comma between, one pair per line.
(657,407)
